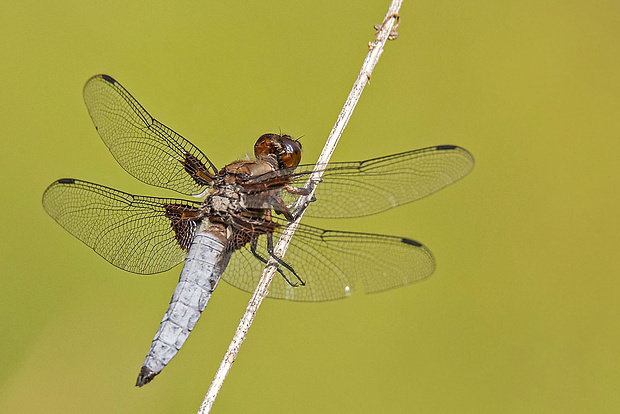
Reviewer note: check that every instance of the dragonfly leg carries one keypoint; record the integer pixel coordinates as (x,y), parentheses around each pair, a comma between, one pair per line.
(282,262)
(253,245)
(297,190)
(297,210)
(281,208)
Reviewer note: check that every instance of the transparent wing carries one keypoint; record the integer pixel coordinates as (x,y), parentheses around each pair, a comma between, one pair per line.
(146,148)
(362,188)
(139,234)
(333,263)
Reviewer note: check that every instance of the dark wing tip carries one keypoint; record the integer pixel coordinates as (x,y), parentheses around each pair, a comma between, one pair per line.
(411,242)
(66,181)
(145,376)
(108,78)
(456,147)
(446,147)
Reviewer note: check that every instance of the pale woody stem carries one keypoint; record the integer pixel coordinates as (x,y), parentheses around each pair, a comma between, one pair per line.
(375,51)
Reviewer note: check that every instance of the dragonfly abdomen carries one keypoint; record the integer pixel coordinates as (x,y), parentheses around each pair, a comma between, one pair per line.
(205,264)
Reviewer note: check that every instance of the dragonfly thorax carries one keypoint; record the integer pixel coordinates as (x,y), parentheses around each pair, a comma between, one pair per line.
(223,203)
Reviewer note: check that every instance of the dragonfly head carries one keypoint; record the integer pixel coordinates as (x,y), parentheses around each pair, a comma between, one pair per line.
(284,150)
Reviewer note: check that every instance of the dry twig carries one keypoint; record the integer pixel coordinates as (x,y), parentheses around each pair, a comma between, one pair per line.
(385,31)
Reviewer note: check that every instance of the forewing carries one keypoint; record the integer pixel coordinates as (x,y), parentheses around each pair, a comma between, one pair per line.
(146,148)
(362,188)
(139,234)
(333,263)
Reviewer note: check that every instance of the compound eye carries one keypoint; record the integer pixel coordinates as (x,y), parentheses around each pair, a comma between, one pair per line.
(281,148)
(291,153)
(265,145)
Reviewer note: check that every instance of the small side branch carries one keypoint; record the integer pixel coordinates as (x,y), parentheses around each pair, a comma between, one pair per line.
(385,31)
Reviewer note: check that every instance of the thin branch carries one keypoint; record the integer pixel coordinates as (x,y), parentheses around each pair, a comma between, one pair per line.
(385,31)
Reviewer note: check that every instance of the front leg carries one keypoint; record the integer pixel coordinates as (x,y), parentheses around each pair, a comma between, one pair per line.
(301,207)
(280,207)
(297,190)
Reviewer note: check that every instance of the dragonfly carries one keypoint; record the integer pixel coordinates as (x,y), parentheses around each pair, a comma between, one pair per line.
(228,231)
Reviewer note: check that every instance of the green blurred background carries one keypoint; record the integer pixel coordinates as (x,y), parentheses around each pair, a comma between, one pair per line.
(521,315)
